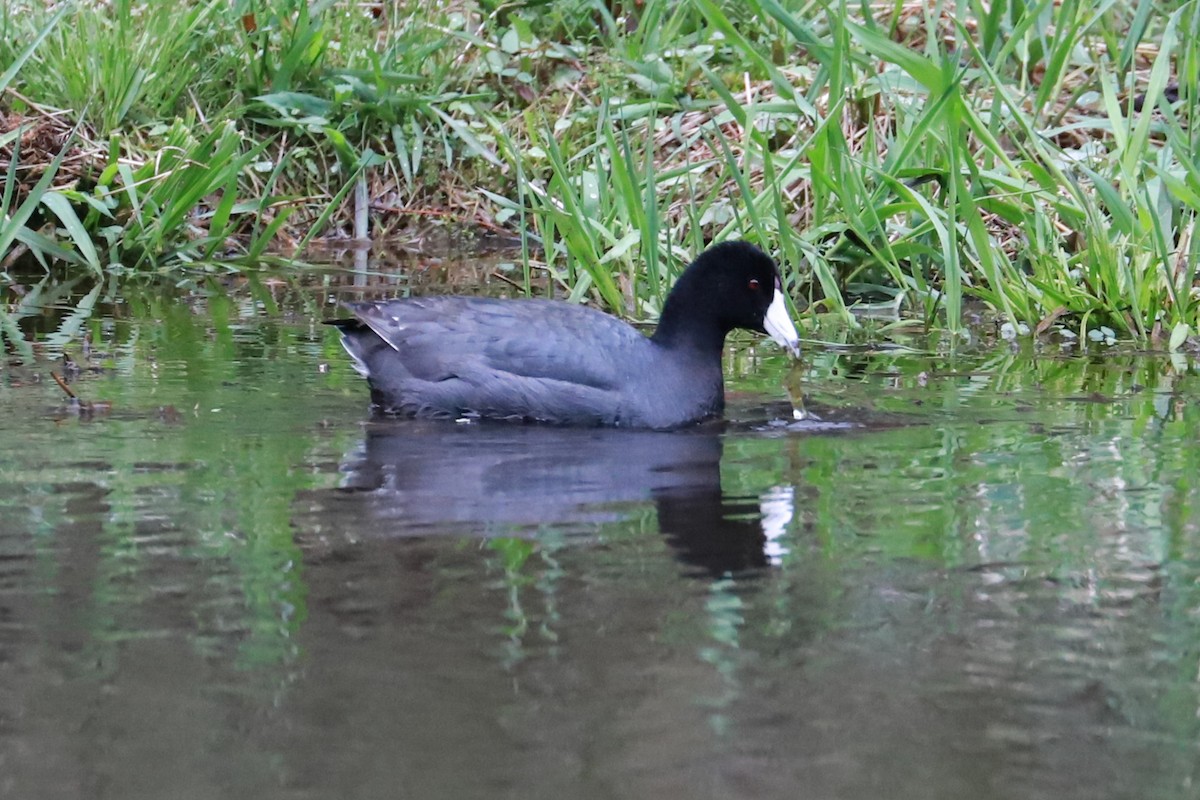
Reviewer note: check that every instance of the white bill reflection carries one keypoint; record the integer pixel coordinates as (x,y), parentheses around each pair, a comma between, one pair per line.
(777,506)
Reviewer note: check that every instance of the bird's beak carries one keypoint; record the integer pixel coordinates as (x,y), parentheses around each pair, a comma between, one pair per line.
(779,325)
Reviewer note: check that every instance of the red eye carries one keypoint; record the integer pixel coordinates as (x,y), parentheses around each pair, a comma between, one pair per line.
(754,284)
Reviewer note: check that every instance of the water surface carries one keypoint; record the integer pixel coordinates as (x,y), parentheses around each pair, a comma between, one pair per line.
(977,577)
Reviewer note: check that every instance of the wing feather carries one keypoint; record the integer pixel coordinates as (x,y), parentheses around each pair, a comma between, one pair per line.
(440,338)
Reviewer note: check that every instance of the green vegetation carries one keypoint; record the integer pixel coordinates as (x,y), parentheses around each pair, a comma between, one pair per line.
(1038,157)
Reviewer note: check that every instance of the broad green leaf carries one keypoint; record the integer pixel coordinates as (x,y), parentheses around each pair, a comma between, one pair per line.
(920,67)
(62,208)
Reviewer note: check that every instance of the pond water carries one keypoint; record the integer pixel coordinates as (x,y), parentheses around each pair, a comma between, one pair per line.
(973,576)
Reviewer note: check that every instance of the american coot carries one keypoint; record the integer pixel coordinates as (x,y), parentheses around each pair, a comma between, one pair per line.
(547,361)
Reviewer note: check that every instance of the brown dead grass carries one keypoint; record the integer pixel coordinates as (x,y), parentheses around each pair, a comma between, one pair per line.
(44,134)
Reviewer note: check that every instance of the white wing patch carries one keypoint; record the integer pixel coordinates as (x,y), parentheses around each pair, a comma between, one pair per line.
(359,365)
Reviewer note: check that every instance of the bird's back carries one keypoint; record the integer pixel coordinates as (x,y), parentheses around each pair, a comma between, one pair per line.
(533,359)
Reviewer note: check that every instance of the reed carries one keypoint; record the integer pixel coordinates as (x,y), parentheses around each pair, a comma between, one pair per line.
(1036,159)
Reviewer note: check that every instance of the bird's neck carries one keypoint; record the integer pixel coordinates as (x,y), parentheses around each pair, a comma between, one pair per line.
(684,326)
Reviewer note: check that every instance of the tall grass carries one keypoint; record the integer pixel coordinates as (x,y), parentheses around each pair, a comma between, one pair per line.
(1055,202)
(1036,158)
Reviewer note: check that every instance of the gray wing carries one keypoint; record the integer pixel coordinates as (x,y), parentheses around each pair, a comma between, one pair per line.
(440,337)
(538,359)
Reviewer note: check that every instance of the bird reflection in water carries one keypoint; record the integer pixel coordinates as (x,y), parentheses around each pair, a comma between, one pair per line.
(423,479)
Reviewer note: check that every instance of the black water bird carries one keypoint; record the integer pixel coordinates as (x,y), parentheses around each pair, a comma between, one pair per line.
(560,363)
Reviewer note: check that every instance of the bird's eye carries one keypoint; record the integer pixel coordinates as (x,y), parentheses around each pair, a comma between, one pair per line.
(754,284)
